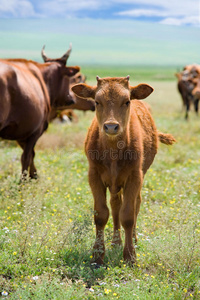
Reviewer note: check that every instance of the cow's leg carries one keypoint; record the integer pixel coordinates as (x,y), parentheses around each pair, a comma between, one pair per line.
(101,214)
(183,101)
(116,202)
(24,167)
(128,213)
(196,105)
(33,170)
(27,158)
(187,108)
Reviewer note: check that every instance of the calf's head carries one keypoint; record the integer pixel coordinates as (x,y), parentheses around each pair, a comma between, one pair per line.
(112,98)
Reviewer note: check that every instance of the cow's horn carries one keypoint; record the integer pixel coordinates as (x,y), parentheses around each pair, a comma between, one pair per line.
(66,55)
(45,58)
(128,77)
(97,78)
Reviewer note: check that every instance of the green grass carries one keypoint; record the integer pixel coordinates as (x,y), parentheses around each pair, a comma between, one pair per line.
(47,230)
(137,73)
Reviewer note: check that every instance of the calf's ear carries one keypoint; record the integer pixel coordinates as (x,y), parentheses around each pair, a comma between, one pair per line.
(84,91)
(140,91)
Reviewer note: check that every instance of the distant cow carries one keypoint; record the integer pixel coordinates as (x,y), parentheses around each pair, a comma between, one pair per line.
(28,90)
(185,87)
(78,78)
(186,83)
(121,144)
(64,115)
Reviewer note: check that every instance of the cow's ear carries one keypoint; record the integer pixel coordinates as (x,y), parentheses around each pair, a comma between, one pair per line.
(71,71)
(140,91)
(84,91)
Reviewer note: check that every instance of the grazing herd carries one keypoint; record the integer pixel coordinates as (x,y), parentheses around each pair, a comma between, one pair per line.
(121,142)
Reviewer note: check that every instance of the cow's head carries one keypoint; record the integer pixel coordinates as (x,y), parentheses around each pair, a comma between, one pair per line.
(112,98)
(57,77)
(193,70)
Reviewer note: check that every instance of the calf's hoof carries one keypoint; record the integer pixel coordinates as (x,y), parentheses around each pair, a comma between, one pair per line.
(98,255)
(129,256)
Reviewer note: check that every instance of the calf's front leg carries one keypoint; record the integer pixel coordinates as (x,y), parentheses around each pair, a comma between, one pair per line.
(101,214)
(129,212)
(116,202)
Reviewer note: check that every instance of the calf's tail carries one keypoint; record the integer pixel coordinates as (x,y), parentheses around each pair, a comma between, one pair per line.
(166,138)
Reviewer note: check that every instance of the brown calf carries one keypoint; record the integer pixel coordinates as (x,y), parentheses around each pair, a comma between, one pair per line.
(121,144)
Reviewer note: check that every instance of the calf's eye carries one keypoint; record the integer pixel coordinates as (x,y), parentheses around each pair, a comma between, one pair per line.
(96,102)
(128,103)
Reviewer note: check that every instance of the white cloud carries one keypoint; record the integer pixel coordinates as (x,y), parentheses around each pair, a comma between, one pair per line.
(143,13)
(68,7)
(176,12)
(173,12)
(16,8)
(195,20)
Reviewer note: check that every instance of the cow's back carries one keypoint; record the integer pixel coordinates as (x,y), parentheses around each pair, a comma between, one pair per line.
(24,101)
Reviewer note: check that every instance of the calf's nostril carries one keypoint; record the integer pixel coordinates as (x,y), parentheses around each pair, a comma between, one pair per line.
(105,127)
(116,127)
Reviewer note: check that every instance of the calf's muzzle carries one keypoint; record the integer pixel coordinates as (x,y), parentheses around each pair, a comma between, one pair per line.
(111,128)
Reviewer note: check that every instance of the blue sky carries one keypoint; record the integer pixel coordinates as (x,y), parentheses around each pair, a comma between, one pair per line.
(170,12)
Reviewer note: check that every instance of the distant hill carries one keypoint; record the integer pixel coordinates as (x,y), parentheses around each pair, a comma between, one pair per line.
(101,42)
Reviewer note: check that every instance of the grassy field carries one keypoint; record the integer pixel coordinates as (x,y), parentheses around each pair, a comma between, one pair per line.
(47,230)
(137,73)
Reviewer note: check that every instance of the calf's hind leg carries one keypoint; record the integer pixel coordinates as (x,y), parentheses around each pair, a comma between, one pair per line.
(137,209)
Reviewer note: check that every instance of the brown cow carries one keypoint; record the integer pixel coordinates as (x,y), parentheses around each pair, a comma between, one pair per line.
(121,144)
(186,83)
(28,90)
(185,87)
